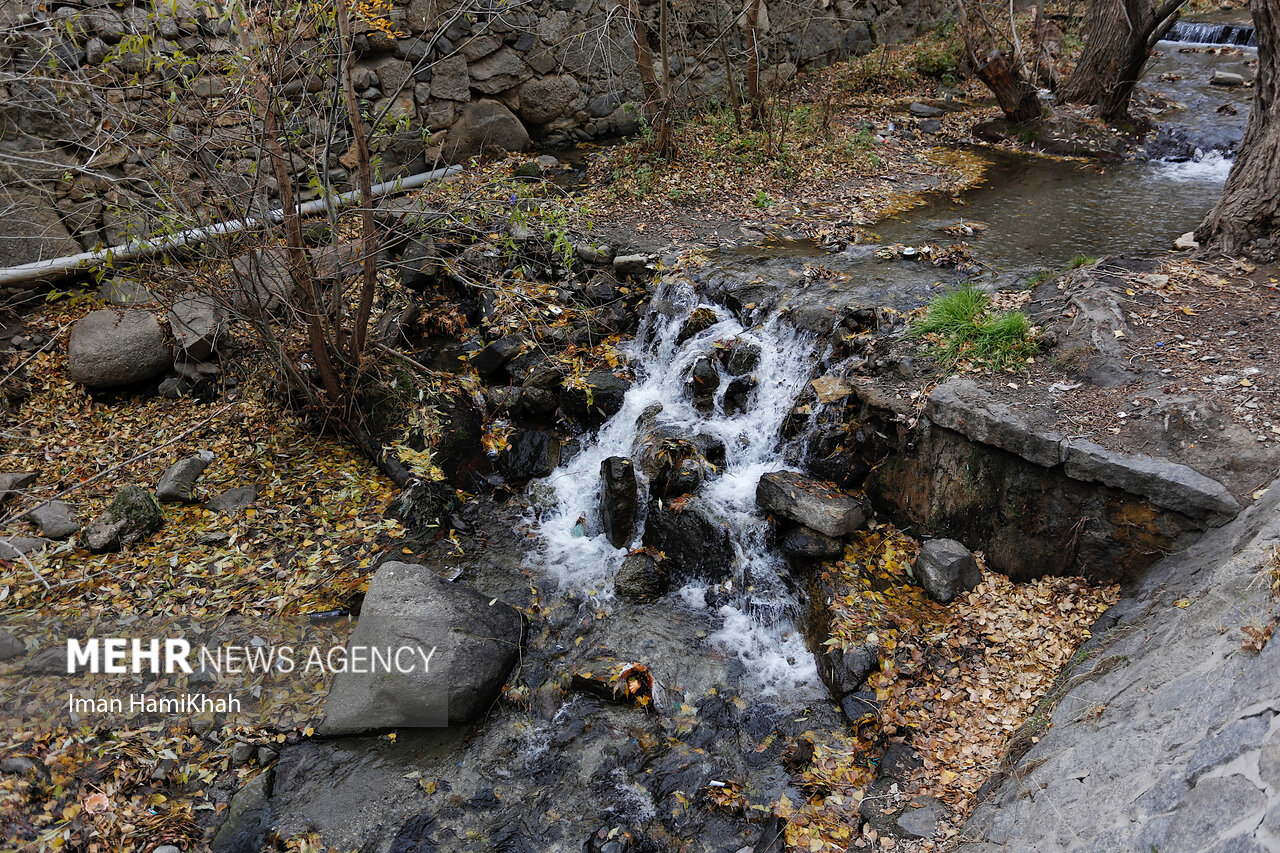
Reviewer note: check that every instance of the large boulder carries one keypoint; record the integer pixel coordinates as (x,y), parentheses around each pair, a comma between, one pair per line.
(597,398)
(810,503)
(548,98)
(695,542)
(476,641)
(945,567)
(133,515)
(109,348)
(484,126)
(529,453)
(197,323)
(618,500)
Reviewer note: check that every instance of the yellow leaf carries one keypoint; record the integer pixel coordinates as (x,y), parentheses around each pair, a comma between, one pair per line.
(1183,603)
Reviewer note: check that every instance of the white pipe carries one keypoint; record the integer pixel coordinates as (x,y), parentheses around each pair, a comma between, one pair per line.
(54,267)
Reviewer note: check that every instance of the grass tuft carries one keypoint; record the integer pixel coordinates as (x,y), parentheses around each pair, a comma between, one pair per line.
(960,329)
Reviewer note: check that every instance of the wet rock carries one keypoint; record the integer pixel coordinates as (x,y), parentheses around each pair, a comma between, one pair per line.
(922,817)
(56,520)
(737,397)
(946,568)
(860,706)
(12,484)
(695,542)
(618,500)
(845,670)
(810,503)
(198,323)
(699,321)
(704,379)
(596,400)
(415,836)
(247,816)
(109,348)
(804,542)
(133,515)
(233,500)
(177,483)
(530,453)
(741,357)
(1226,79)
(495,356)
(10,646)
(673,466)
(640,578)
(476,641)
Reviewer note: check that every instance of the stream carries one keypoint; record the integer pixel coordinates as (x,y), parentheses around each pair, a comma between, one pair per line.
(733,675)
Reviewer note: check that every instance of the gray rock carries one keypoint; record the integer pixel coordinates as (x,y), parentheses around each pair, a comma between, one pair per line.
(1226,79)
(1235,739)
(247,814)
(243,753)
(640,578)
(10,646)
(963,406)
(803,542)
(12,547)
(266,755)
(496,355)
(198,324)
(109,348)
(920,110)
(1164,483)
(477,642)
(233,500)
(450,80)
(695,542)
(217,537)
(125,292)
(930,125)
(17,765)
(594,253)
(810,503)
(548,98)
(484,126)
(261,281)
(133,514)
(166,848)
(858,706)
(174,388)
(922,817)
(619,500)
(632,266)
(11,484)
(177,483)
(499,71)
(56,519)
(945,568)
(50,661)
(31,230)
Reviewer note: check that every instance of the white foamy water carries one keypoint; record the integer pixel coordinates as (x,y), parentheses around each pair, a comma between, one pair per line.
(1210,168)
(756,625)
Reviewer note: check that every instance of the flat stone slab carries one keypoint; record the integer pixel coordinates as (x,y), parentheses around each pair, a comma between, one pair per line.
(810,503)
(963,406)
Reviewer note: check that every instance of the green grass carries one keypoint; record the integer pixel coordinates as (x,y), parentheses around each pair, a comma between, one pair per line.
(1081,261)
(1038,278)
(960,328)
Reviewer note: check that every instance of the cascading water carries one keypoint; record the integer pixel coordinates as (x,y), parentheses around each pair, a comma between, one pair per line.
(1189,32)
(754,609)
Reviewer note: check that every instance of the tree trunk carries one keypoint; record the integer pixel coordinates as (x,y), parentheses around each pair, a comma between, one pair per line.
(1250,203)
(1121,36)
(1016,96)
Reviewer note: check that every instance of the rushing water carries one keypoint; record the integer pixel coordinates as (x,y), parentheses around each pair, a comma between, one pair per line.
(756,622)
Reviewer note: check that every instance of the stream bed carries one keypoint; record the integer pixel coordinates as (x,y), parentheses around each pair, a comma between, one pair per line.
(733,676)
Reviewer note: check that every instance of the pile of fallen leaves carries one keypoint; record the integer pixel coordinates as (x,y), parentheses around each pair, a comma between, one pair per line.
(305,546)
(957,681)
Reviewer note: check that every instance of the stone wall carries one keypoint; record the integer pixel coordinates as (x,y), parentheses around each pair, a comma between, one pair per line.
(77,170)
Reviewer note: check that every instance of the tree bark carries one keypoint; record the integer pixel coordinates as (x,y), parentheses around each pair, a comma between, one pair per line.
(1250,203)
(1016,96)
(1121,34)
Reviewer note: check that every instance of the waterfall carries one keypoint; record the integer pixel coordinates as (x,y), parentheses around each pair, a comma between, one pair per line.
(755,610)
(1233,34)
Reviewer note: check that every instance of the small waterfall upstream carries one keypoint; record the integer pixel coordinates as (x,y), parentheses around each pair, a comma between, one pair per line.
(1238,35)
(754,609)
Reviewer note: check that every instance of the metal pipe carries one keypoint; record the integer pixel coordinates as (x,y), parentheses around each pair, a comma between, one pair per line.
(57,267)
